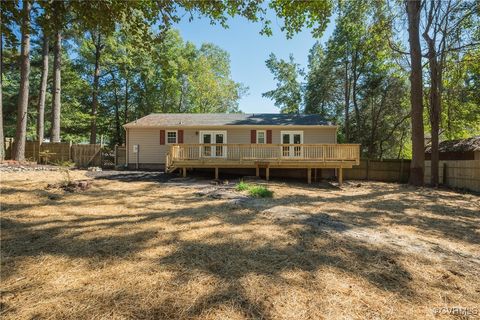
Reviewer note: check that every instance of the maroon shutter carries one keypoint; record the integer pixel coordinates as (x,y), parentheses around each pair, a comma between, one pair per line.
(269,136)
(162,137)
(180,136)
(253,136)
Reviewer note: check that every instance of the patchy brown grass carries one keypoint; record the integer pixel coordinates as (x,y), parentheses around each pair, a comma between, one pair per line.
(153,250)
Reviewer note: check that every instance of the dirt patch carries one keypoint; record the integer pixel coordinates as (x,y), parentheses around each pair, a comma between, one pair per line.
(297,215)
(139,245)
(284,212)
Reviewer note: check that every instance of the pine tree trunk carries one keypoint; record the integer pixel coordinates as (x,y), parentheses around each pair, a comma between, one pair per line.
(126,99)
(117,125)
(355,78)
(56,87)
(96,80)
(22,106)
(416,93)
(435,110)
(43,91)
(118,136)
(347,104)
(2,138)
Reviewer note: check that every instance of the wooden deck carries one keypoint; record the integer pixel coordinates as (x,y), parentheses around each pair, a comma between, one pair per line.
(308,156)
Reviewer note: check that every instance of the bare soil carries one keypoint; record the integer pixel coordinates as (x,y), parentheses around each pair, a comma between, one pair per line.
(144,246)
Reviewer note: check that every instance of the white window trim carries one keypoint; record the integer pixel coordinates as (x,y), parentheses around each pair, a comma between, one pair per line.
(264,136)
(166,136)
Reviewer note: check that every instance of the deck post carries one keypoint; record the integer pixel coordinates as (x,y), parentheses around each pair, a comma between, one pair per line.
(340,176)
(257,171)
(184,172)
(309,175)
(216,173)
(267,173)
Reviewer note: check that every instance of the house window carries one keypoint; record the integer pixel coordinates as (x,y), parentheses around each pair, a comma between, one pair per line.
(171,137)
(261,136)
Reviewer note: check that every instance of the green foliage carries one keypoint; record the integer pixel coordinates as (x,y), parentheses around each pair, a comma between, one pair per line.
(254,190)
(260,192)
(288,94)
(461,95)
(242,186)
(297,15)
(172,76)
(355,81)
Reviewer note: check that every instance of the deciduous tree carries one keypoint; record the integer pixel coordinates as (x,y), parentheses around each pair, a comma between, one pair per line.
(413,9)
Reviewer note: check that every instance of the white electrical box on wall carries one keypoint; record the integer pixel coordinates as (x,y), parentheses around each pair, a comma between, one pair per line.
(135,148)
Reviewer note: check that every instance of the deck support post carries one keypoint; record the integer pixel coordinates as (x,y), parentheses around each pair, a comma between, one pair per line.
(309,175)
(267,173)
(340,176)
(257,171)
(184,172)
(216,173)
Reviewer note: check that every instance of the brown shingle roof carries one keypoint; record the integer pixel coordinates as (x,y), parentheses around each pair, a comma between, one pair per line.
(227,119)
(459,145)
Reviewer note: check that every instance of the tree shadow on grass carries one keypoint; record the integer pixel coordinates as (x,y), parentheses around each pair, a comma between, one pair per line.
(315,243)
(232,261)
(441,219)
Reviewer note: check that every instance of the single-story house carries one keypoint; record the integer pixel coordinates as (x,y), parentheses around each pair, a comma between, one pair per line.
(278,141)
(460,149)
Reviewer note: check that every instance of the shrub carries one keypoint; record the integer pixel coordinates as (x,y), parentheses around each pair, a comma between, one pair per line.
(242,186)
(254,190)
(260,192)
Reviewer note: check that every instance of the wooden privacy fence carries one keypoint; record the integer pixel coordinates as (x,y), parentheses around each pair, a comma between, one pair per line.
(83,155)
(120,156)
(87,155)
(463,174)
(395,170)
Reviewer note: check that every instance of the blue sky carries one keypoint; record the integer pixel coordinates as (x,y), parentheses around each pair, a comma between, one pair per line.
(248,51)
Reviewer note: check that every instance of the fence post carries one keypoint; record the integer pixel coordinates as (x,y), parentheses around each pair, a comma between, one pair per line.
(368,169)
(400,179)
(116,155)
(38,151)
(445,181)
(70,151)
(101,153)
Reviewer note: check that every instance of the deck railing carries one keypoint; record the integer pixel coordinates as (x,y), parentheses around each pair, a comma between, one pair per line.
(259,152)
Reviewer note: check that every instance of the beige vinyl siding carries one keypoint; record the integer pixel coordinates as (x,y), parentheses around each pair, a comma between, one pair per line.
(150,150)
(314,135)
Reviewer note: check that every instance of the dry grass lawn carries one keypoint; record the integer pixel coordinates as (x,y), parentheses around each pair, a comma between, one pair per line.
(147,249)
